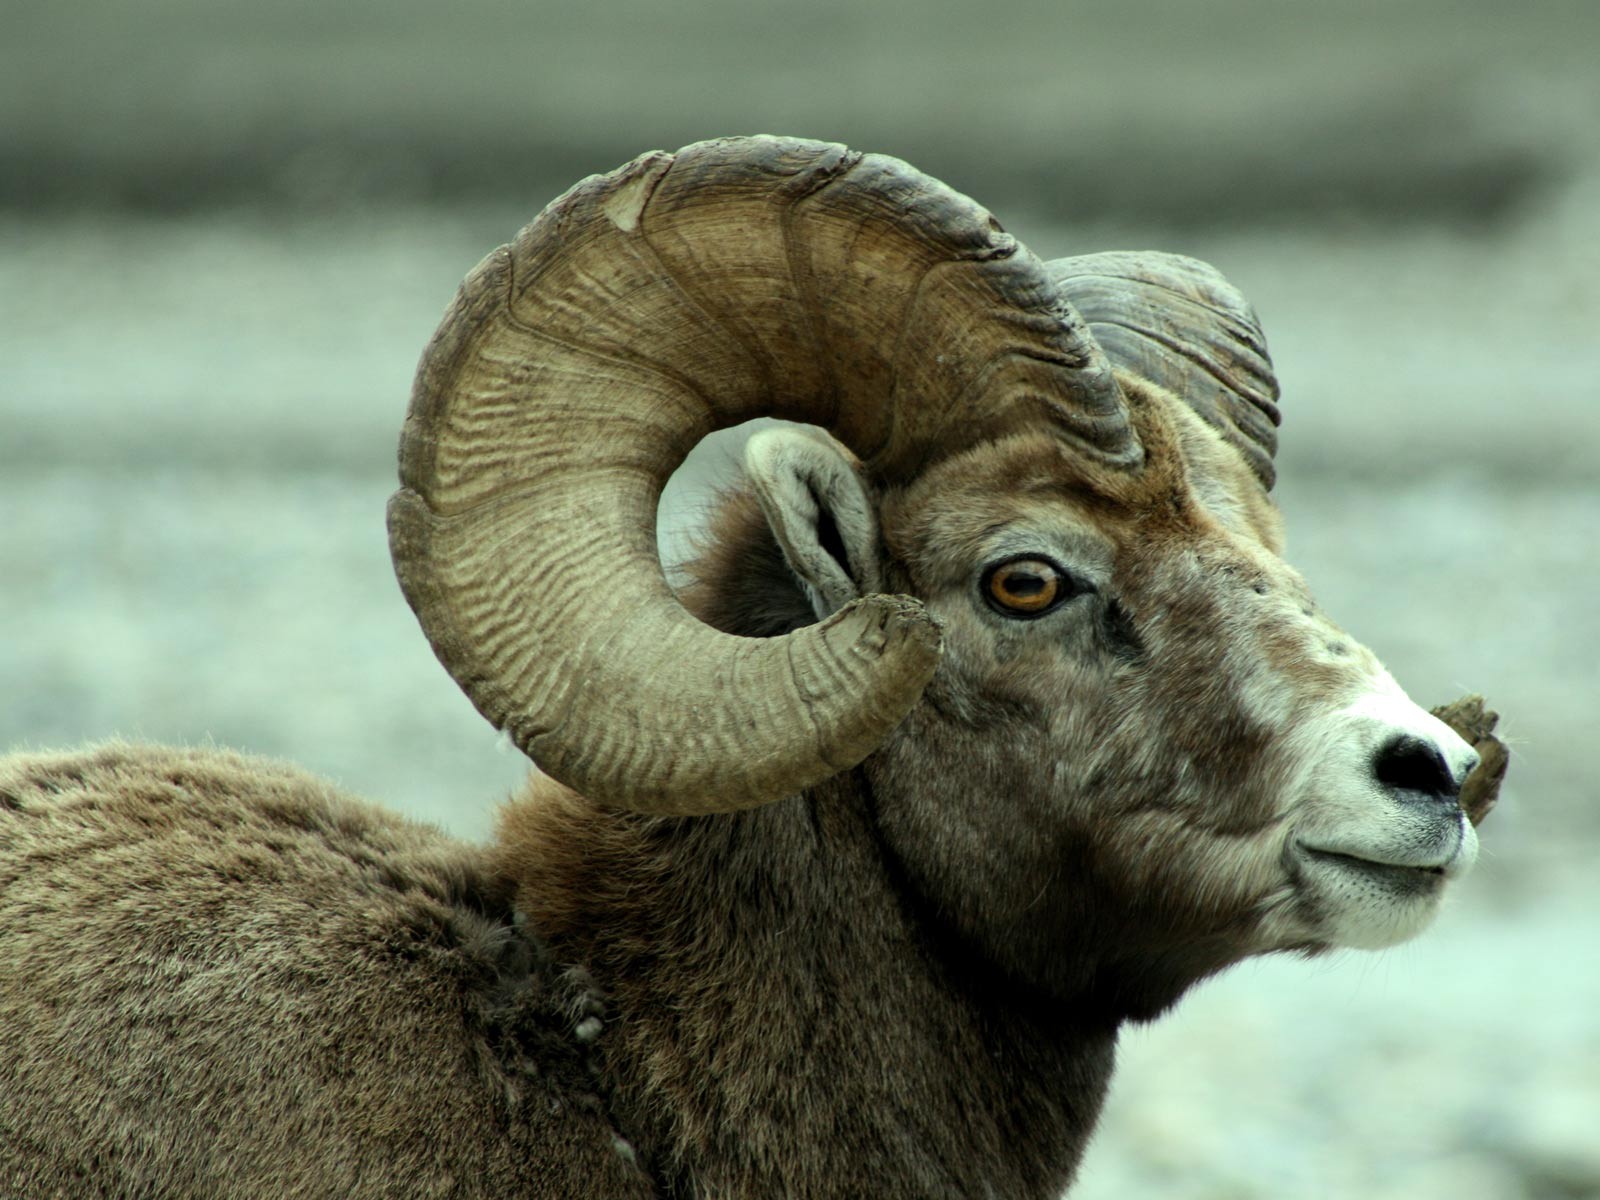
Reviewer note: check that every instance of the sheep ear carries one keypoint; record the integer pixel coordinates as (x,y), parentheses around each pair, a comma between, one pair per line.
(813,496)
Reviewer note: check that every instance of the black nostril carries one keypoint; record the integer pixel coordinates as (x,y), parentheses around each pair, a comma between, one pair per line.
(1409,764)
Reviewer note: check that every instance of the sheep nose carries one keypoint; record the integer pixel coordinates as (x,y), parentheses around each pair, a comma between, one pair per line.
(1416,769)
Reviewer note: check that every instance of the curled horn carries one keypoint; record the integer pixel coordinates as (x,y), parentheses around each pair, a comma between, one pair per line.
(1178,323)
(578,366)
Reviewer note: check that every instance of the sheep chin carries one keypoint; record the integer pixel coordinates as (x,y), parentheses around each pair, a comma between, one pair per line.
(1379,833)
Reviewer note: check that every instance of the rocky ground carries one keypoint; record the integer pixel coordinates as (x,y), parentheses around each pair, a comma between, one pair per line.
(200,391)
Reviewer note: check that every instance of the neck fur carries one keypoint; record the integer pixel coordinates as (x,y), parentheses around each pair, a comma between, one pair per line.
(780,1019)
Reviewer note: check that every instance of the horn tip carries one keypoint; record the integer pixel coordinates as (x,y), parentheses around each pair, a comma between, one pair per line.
(899,632)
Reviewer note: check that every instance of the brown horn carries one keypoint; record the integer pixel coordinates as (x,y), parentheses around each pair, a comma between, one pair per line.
(1177,322)
(578,366)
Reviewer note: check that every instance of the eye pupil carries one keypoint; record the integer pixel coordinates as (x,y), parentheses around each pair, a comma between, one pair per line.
(1019,584)
(1025,587)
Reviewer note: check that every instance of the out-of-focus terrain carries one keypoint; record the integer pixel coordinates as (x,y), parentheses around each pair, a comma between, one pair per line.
(226,232)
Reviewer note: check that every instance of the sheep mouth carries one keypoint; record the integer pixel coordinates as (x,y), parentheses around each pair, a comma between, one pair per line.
(1405,879)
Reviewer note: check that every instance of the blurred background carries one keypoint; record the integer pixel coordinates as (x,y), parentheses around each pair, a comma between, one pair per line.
(228,228)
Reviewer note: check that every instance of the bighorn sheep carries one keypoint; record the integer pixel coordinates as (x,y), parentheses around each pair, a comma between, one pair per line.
(995,730)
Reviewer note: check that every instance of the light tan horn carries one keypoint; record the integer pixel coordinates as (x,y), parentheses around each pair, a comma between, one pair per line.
(578,366)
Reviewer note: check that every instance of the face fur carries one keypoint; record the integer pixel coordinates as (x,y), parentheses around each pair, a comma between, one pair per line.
(1144,739)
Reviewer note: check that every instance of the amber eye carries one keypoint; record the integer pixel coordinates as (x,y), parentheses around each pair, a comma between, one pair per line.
(1025,587)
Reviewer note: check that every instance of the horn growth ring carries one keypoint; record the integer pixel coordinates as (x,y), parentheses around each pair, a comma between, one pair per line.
(578,366)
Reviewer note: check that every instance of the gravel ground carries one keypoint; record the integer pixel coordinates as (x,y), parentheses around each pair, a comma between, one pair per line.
(199,403)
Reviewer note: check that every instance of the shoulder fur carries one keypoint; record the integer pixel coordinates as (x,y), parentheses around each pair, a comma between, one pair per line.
(178,925)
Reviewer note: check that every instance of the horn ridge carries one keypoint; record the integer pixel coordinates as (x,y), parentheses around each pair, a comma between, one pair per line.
(578,365)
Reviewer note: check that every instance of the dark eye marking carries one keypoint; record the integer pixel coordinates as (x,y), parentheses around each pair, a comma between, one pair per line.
(1120,635)
(1027,587)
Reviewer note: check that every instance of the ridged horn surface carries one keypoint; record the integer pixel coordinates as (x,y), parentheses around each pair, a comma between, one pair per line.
(579,365)
(1177,322)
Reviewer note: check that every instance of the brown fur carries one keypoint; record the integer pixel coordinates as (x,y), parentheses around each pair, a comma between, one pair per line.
(785,1022)
(221,977)
(738,581)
